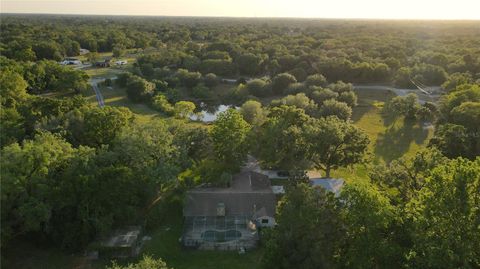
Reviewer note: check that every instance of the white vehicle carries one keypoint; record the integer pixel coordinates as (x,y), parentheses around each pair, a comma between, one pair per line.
(121,62)
(71,62)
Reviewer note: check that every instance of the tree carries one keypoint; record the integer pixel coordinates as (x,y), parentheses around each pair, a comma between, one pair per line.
(26,188)
(189,79)
(316,80)
(403,78)
(457,79)
(457,127)
(12,126)
(319,95)
(229,136)
(13,89)
(48,50)
(341,87)
(139,89)
(118,51)
(401,179)
(183,109)
(350,98)
(445,217)
(147,148)
(453,140)
(96,126)
(253,113)
(280,140)
(146,262)
(258,87)
(210,80)
(161,103)
(406,106)
(370,224)
(249,64)
(299,100)
(218,67)
(334,108)
(202,92)
(92,57)
(281,82)
(309,230)
(468,115)
(333,143)
(429,74)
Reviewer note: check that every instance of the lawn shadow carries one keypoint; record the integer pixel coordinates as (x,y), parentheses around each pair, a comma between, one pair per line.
(360,110)
(388,118)
(396,140)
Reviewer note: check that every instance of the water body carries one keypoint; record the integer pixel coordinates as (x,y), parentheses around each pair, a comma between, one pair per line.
(209,113)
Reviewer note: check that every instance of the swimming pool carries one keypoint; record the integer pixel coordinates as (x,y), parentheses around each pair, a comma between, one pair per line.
(221,236)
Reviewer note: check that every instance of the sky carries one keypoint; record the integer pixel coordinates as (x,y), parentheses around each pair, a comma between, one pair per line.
(375,9)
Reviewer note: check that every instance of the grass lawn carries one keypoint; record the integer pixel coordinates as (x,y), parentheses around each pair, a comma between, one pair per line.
(114,96)
(389,139)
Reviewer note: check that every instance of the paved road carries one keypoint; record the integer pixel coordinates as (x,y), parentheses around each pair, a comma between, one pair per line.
(98,94)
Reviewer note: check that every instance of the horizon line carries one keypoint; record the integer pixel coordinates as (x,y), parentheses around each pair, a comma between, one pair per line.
(242,17)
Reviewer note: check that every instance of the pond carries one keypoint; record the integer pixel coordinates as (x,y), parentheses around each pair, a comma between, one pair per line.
(210,113)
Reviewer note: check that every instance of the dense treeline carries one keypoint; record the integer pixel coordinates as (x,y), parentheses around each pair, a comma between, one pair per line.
(361,52)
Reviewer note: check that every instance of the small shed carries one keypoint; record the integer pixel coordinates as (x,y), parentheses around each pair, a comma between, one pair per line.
(122,243)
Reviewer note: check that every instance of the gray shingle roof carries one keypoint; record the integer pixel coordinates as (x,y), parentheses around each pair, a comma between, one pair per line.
(236,203)
(249,191)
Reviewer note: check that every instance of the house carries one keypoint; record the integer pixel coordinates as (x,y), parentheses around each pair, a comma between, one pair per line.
(330,184)
(105,63)
(228,218)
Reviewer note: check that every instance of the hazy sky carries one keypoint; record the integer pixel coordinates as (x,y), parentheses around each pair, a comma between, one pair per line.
(394,9)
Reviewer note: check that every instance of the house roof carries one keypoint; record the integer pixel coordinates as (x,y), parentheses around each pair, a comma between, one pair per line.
(249,193)
(330,184)
(236,203)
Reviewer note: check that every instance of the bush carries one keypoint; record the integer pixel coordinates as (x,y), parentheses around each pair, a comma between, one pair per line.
(161,104)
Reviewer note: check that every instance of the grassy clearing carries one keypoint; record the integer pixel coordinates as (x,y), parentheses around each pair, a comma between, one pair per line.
(115,96)
(389,140)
